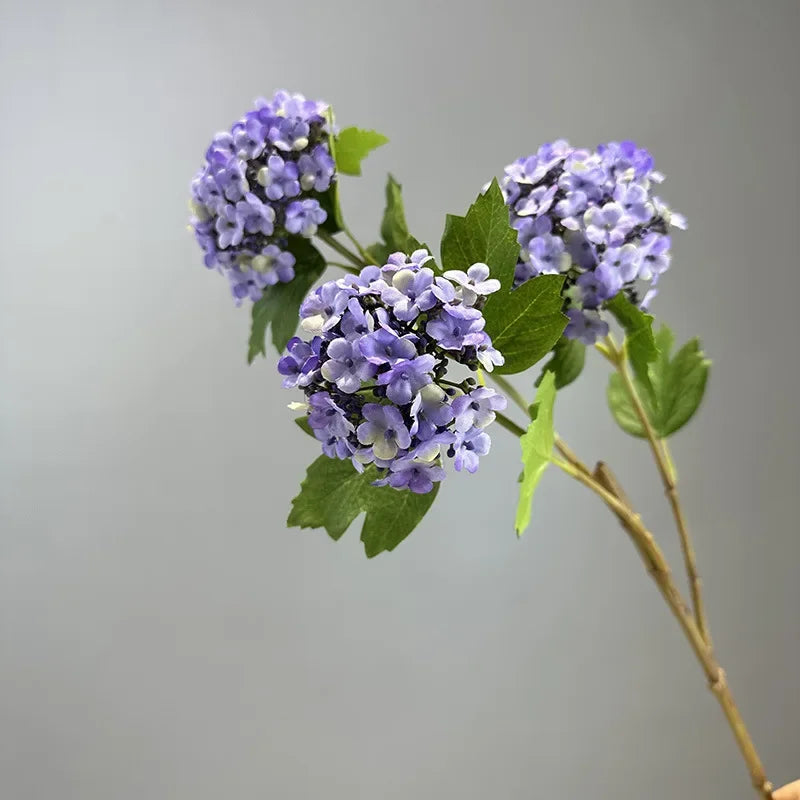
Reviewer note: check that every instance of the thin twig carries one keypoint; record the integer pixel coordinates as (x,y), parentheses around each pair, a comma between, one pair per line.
(667,473)
(346,267)
(573,459)
(603,483)
(509,424)
(343,251)
(512,392)
(361,250)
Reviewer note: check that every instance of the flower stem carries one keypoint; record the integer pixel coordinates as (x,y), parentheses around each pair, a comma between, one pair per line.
(564,449)
(509,425)
(368,259)
(345,267)
(512,392)
(667,472)
(603,483)
(336,245)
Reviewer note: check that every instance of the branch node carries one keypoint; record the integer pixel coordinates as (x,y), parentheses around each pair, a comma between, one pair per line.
(718,684)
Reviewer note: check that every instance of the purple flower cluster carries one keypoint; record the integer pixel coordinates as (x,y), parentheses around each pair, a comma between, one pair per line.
(260,183)
(592,216)
(373,371)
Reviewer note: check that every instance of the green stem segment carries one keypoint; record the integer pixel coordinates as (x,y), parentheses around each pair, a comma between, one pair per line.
(343,251)
(509,425)
(667,472)
(361,250)
(345,267)
(512,392)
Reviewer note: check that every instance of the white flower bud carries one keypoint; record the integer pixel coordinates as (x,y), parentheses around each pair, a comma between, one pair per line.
(199,210)
(402,279)
(261,263)
(313,324)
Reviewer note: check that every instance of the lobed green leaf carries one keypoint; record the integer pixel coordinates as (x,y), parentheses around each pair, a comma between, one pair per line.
(334,493)
(675,388)
(352,146)
(537,447)
(524,323)
(303,424)
(483,235)
(394,228)
(527,322)
(639,340)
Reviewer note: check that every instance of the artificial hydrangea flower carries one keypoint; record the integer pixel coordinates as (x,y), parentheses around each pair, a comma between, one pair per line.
(258,186)
(592,216)
(373,370)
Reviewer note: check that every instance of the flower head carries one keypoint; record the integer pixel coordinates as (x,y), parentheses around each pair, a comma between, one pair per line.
(373,370)
(252,193)
(591,216)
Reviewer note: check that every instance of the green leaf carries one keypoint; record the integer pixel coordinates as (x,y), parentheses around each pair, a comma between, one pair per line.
(537,447)
(353,145)
(333,494)
(394,229)
(525,324)
(622,409)
(566,362)
(280,305)
(639,339)
(391,516)
(379,253)
(330,497)
(685,388)
(483,235)
(674,391)
(329,200)
(302,423)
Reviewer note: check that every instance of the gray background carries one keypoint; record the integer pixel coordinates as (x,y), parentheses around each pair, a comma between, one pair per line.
(162,635)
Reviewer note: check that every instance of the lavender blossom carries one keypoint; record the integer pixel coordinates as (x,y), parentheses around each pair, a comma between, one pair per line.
(585,325)
(468,447)
(304,217)
(326,417)
(384,430)
(453,328)
(300,363)
(473,284)
(406,377)
(477,408)
(418,476)
(386,346)
(279,178)
(323,308)
(316,170)
(346,366)
(256,217)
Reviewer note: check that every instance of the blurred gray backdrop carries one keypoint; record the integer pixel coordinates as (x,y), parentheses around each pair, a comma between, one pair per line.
(163,635)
